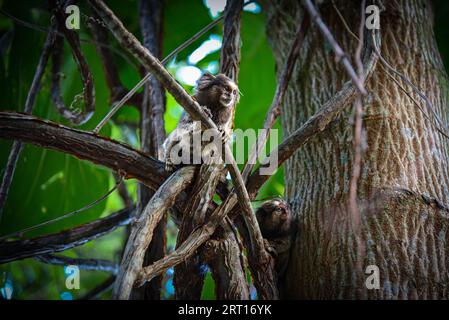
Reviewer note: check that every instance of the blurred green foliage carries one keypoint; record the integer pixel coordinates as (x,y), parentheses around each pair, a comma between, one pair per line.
(48,184)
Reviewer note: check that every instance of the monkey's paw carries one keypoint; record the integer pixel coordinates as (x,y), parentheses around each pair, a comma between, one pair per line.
(223,135)
(208,112)
(270,249)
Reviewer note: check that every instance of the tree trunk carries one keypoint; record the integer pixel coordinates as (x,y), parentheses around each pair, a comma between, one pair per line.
(403,187)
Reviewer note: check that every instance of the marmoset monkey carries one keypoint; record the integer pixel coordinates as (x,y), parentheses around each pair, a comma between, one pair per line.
(218,96)
(276,224)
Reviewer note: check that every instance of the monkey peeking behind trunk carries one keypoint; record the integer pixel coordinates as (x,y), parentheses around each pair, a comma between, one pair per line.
(218,96)
(276,224)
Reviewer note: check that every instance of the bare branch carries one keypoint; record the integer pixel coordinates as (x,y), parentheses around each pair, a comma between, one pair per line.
(153,108)
(358,128)
(142,231)
(188,277)
(123,191)
(188,247)
(343,20)
(86,41)
(76,116)
(436,120)
(147,77)
(359,147)
(153,65)
(116,88)
(22,232)
(64,240)
(318,122)
(84,264)
(152,136)
(10,167)
(225,259)
(131,163)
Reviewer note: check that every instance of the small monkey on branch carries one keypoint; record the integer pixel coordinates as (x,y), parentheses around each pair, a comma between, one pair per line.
(217,95)
(275,219)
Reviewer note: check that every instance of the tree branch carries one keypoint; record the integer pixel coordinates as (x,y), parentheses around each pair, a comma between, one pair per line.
(188,247)
(230,50)
(84,145)
(85,264)
(188,277)
(123,191)
(119,157)
(76,115)
(359,148)
(153,108)
(142,230)
(152,135)
(116,88)
(64,240)
(225,259)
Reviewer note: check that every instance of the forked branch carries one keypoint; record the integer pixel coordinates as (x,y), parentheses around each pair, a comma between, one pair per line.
(142,231)
(73,113)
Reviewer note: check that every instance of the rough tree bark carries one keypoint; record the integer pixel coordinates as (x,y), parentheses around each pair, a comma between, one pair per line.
(403,187)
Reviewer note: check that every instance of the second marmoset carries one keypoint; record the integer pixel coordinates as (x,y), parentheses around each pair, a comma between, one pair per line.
(275,221)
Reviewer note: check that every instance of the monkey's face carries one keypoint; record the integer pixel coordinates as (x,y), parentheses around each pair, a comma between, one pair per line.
(217,91)
(229,92)
(274,218)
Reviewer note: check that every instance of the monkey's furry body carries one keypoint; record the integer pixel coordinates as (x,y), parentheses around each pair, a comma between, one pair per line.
(217,95)
(276,220)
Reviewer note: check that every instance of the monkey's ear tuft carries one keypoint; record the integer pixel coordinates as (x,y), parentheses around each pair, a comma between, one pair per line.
(205,81)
